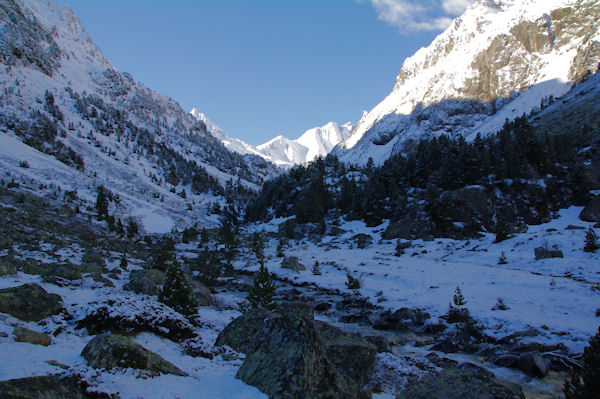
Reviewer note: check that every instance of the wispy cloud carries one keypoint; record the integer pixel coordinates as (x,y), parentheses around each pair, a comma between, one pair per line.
(411,16)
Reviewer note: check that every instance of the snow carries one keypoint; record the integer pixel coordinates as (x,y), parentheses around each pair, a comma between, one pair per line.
(427,83)
(556,296)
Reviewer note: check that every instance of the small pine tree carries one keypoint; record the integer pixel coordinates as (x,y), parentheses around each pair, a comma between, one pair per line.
(316,269)
(123,263)
(457,310)
(101,203)
(586,383)
(591,241)
(399,248)
(177,292)
(502,259)
(500,305)
(352,283)
(260,294)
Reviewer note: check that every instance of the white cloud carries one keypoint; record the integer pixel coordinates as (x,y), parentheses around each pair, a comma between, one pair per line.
(414,16)
(455,7)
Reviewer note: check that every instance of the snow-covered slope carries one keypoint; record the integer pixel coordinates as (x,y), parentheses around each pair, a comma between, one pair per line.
(315,142)
(61,96)
(281,151)
(495,62)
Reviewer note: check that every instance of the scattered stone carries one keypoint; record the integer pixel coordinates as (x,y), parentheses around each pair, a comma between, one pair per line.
(22,334)
(50,386)
(545,253)
(533,364)
(322,307)
(99,278)
(445,346)
(441,361)
(108,351)
(508,361)
(29,302)
(146,281)
(453,383)
(572,227)
(292,263)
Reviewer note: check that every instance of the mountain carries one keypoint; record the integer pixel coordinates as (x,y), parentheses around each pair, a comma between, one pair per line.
(497,61)
(78,123)
(281,151)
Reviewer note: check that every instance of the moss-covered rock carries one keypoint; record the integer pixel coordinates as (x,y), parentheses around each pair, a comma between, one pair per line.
(29,302)
(287,359)
(591,212)
(292,263)
(61,274)
(47,387)
(453,383)
(146,281)
(22,334)
(108,351)
(351,354)
(240,332)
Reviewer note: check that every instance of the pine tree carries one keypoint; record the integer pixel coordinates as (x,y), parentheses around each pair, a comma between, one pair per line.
(586,383)
(123,263)
(177,292)
(316,269)
(457,311)
(260,294)
(352,283)
(132,228)
(591,241)
(502,259)
(101,203)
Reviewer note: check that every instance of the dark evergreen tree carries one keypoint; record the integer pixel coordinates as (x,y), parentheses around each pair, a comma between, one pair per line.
(316,269)
(123,262)
(591,241)
(132,228)
(457,311)
(101,203)
(260,294)
(178,293)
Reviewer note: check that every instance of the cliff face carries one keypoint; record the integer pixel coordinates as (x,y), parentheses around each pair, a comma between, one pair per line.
(495,62)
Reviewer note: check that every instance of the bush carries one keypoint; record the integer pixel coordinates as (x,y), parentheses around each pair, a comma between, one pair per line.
(586,383)
(316,269)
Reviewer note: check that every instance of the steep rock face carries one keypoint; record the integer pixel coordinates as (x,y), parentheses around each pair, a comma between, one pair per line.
(65,100)
(495,62)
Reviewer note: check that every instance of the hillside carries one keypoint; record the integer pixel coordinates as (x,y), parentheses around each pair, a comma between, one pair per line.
(63,100)
(505,57)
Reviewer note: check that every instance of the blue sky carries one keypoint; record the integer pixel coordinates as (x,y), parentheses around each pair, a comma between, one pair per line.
(266,67)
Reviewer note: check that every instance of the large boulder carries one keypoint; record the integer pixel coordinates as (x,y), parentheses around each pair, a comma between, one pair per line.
(108,351)
(287,359)
(292,263)
(239,333)
(545,253)
(533,364)
(129,315)
(454,383)
(47,387)
(145,281)
(29,302)
(351,354)
(591,212)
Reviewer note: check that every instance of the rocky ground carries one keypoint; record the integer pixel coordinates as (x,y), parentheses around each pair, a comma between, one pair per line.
(80,315)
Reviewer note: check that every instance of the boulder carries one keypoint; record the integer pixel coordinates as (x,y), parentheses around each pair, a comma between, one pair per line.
(129,315)
(454,383)
(146,281)
(509,361)
(351,354)
(445,346)
(533,364)
(46,387)
(201,292)
(591,212)
(288,360)
(61,274)
(401,320)
(545,253)
(239,333)
(292,263)
(22,334)
(108,351)
(29,302)
(362,240)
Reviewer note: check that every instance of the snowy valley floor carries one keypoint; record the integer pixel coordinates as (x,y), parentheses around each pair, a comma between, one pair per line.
(558,297)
